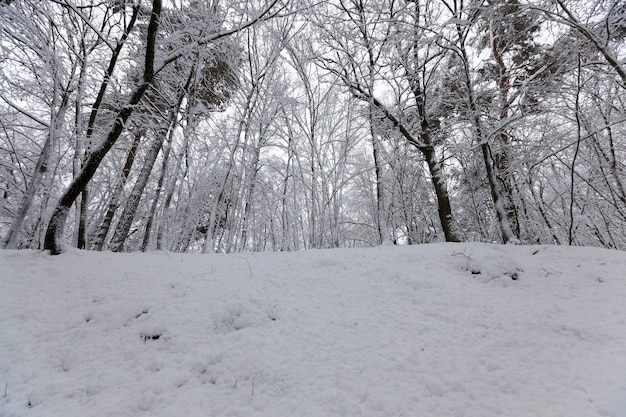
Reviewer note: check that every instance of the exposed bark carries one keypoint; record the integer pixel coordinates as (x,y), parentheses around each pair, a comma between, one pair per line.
(10,240)
(116,193)
(508,236)
(169,195)
(497,194)
(54,240)
(501,158)
(157,193)
(381,209)
(132,202)
(95,109)
(570,231)
(54,235)
(41,167)
(285,241)
(81,243)
(254,169)
(426,145)
(443,200)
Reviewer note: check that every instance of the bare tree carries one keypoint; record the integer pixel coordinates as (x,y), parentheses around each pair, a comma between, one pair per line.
(411,69)
(54,233)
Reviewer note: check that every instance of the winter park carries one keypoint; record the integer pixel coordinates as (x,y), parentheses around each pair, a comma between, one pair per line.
(297,208)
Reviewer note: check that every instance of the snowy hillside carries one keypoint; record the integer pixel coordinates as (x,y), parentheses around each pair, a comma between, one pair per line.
(444,330)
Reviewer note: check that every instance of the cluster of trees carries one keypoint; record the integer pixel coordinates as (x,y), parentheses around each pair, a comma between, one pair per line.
(198,125)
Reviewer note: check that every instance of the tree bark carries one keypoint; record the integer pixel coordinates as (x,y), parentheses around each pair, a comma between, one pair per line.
(10,240)
(54,240)
(427,146)
(126,219)
(497,194)
(501,159)
(381,207)
(157,193)
(424,145)
(254,169)
(114,202)
(56,119)
(84,199)
(169,195)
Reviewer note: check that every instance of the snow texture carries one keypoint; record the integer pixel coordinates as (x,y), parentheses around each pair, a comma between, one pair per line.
(442,330)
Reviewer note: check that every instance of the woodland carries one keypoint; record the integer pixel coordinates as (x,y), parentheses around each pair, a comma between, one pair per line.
(280,125)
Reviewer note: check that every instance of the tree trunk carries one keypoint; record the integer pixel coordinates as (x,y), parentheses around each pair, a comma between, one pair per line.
(54,240)
(426,148)
(381,207)
(116,194)
(10,240)
(157,193)
(426,145)
(82,219)
(56,119)
(501,159)
(132,203)
(497,194)
(254,169)
(169,195)
(508,236)
(441,190)
(95,109)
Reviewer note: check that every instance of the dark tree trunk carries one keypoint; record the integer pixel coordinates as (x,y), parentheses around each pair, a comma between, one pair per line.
(56,227)
(126,219)
(84,206)
(132,202)
(424,145)
(82,221)
(497,193)
(441,190)
(157,193)
(115,196)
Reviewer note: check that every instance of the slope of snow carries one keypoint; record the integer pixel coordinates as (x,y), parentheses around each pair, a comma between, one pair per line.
(469,330)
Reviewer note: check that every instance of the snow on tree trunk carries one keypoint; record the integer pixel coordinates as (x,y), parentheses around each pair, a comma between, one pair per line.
(55,233)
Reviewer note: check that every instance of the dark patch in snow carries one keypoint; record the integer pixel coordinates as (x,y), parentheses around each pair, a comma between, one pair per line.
(153,336)
(514,275)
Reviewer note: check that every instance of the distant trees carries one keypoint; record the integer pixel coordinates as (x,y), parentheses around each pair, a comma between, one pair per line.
(244,125)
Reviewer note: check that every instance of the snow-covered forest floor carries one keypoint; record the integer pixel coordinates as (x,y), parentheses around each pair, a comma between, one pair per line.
(442,330)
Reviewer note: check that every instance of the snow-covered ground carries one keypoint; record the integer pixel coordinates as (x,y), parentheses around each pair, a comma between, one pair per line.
(470,330)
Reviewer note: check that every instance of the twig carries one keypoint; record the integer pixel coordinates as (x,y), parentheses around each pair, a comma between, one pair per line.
(462,254)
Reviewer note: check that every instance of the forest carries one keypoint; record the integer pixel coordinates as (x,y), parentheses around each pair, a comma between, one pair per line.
(280,125)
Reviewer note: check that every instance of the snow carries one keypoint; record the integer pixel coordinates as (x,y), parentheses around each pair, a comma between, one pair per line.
(471,330)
